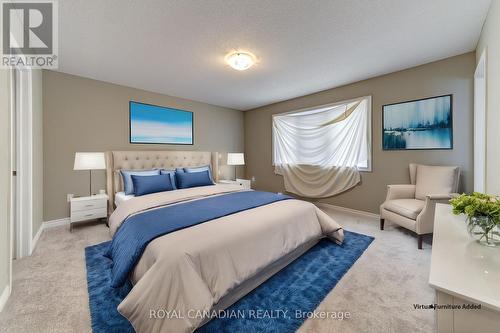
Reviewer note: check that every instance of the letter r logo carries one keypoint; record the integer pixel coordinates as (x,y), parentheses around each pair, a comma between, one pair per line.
(27,27)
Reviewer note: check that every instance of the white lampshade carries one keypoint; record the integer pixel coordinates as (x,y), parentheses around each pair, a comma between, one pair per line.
(235,159)
(89,161)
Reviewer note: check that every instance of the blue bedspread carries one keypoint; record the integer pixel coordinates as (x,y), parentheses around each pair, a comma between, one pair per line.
(138,230)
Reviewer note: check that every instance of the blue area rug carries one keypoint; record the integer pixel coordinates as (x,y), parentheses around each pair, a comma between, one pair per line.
(300,286)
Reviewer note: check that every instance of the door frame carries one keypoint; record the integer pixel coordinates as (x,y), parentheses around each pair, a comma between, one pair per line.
(13,180)
(23,145)
(480,94)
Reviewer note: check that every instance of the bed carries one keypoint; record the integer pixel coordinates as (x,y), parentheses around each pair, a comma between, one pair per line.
(199,270)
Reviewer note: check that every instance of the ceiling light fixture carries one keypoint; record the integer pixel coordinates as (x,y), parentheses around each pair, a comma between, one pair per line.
(240,60)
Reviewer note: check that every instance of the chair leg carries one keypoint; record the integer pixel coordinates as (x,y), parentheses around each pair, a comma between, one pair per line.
(382,224)
(420,242)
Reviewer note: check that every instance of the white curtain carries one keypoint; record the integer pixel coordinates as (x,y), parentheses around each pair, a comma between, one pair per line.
(319,151)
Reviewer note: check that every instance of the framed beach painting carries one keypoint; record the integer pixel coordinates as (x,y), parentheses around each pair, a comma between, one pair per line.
(421,124)
(160,125)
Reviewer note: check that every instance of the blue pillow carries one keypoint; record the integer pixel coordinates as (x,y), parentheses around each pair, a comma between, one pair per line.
(179,170)
(151,184)
(171,173)
(201,169)
(193,179)
(128,186)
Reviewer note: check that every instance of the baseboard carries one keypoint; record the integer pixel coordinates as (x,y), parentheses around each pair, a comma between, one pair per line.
(348,210)
(35,239)
(55,223)
(47,225)
(4,297)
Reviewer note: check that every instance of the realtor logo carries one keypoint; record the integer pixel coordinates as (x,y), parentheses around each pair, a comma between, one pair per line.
(29,34)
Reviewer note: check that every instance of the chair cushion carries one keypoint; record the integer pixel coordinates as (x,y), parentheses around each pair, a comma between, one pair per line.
(409,208)
(435,180)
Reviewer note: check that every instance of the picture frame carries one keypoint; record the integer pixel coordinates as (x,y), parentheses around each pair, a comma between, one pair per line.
(421,124)
(153,124)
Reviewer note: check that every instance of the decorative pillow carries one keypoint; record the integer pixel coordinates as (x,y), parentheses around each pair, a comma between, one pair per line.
(151,184)
(435,180)
(171,173)
(201,169)
(193,179)
(128,186)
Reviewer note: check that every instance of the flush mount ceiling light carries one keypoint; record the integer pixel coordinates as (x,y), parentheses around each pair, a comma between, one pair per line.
(240,60)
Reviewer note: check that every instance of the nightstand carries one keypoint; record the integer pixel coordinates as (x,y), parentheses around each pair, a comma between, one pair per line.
(88,208)
(247,184)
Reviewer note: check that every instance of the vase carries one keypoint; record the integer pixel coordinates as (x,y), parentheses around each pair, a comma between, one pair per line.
(484,230)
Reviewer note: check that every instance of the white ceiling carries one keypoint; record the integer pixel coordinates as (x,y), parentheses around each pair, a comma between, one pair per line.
(177,47)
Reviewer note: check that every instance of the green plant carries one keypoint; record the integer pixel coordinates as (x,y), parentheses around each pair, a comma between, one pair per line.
(483,216)
(477,204)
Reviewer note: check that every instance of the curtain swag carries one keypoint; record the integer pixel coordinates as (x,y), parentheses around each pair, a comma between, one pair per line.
(318,151)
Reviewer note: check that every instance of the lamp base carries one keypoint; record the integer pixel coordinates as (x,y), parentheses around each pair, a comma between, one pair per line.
(90,186)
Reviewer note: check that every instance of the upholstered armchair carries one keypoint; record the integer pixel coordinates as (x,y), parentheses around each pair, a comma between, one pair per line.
(412,206)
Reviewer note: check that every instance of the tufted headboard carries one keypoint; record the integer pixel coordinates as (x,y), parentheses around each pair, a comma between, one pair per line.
(143,160)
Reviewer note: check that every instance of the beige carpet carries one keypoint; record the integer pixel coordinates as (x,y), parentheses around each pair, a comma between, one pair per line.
(50,288)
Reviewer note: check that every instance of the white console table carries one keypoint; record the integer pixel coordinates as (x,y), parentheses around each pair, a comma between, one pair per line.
(463,272)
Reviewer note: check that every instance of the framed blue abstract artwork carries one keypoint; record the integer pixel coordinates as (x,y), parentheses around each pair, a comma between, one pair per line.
(160,125)
(421,124)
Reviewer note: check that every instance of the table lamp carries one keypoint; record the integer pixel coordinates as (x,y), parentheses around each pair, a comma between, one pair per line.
(235,159)
(89,161)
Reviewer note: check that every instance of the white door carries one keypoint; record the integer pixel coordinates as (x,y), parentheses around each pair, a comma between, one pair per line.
(480,125)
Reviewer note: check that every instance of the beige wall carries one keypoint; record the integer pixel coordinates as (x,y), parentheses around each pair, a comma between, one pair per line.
(87,115)
(490,41)
(449,76)
(37,109)
(4,180)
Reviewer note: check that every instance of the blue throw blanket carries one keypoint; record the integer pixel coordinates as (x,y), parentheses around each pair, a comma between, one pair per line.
(138,230)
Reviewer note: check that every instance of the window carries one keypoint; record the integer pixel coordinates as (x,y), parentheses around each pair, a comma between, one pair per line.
(333,135)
